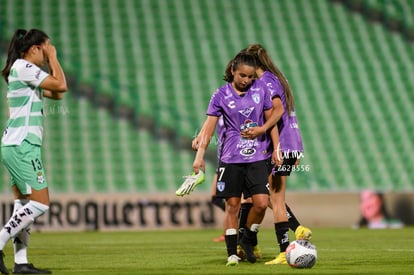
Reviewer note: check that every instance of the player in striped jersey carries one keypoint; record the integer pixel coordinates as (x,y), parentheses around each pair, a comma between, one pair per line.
(29,52)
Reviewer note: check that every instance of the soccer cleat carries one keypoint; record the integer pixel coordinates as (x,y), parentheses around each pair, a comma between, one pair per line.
(3,268)
(29,269)
(280,259)
(232,260)
(240,253)
(257,252)
(248,249)
(303,233)
(220,238)
(190,183)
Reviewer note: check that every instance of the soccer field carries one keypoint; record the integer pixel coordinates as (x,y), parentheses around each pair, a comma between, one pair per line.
(340,251)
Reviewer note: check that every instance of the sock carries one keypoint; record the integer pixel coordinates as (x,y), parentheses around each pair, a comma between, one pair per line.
(21,240)
(219,202)
(20,244)
(250,234)
(282,235)
(23,218)
(244,212)
(231,241)
(293,222)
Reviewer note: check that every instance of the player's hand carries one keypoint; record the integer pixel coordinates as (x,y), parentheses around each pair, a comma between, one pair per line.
(198,165)
(49,50)
(277,158)
(195,143)
(253,132)
(297,162)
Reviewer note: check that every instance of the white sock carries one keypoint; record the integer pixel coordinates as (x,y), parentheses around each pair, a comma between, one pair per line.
(21,240)
(22,219)
(231,231)
(255,227)
(20,244)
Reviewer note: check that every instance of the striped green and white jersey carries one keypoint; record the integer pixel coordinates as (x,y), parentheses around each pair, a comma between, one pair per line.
(24,98)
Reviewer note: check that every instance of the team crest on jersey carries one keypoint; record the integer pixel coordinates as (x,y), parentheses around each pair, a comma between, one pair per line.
(256,98)
(246,111)
(220,186)
(40,178)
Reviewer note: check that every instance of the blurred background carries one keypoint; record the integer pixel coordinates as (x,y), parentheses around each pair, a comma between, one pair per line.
(141,73)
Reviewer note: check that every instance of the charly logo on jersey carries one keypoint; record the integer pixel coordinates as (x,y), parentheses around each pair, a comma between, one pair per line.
(220,186)
(270,86)
(37,75)
(246,111)
(256,98)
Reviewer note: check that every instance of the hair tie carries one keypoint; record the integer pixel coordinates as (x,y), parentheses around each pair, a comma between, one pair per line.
(21,34)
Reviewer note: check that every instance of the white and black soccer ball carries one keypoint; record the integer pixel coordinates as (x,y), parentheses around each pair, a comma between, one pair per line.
(301,254)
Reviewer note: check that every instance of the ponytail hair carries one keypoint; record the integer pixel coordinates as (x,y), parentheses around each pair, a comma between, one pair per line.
(242,58)
(20,43)
(265,62)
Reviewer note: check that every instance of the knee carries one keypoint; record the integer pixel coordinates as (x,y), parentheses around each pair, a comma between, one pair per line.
(261,205)
(232,209)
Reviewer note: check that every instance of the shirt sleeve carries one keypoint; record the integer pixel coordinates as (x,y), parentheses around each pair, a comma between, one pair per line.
(32,75)
(275,87)
(214,108)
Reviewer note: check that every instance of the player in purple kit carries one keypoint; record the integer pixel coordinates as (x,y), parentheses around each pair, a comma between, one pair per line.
(219,202)
(290,146)
(243,102)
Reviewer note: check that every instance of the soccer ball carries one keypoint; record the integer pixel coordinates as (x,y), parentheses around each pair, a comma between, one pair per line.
(301,254)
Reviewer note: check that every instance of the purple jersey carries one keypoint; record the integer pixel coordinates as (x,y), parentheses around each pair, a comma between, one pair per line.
(289,134)
(220,131)
(240,113)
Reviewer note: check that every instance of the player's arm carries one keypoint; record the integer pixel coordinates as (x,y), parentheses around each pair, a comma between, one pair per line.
(278,108)
(196,141)
(55,84)
(277,158)
(272,117)
(205,137)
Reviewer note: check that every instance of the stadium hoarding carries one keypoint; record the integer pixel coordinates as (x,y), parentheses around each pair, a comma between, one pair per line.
(166,211)
(121,212)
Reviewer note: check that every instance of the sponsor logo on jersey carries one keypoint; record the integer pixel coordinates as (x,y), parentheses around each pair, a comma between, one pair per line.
(247,124)
(247,152)
(246,111)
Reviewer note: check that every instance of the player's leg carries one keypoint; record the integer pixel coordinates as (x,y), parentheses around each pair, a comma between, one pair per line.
(246,205)
(21,240)
(219,202)
(230,226)
(256,185)
(277,195)
(24,164)
(301,232)
(228,186)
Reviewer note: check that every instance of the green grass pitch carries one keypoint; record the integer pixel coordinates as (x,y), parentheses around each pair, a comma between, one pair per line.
(340,251)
